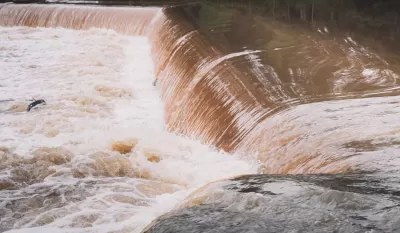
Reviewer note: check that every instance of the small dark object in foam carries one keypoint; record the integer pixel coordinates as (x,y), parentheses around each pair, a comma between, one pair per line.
(155,82)
(36,102)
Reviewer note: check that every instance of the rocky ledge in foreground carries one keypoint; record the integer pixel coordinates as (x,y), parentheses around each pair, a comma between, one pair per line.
(289,203)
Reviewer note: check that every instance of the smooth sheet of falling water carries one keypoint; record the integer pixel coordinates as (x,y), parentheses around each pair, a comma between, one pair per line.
(96,158)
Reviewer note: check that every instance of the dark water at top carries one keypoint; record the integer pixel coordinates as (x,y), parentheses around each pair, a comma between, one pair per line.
(323,76)
(333,66)
(309,50)
(315,51)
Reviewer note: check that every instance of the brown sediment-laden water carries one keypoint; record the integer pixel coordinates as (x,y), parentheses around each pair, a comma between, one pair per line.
(266,116)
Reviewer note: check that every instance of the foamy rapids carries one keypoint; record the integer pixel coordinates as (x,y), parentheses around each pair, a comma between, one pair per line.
(97,157)
(111,152)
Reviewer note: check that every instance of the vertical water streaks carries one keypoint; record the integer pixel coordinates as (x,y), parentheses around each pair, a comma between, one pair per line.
(128,21)
(223,96)
(206,95)
(96,157)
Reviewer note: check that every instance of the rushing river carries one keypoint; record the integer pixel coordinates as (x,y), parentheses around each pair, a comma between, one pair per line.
(194,118)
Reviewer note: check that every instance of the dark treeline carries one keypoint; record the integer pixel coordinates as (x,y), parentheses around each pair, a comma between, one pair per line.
(380,16)
(373,14)
(376,19)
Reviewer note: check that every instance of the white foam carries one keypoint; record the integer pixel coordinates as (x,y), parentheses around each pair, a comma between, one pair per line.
(98,89)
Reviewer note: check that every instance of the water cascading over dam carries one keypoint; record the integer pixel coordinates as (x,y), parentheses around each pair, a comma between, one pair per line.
(191,71)
(208,94)
(305,103)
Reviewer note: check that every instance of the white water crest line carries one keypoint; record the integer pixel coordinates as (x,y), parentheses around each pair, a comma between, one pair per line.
(207,67)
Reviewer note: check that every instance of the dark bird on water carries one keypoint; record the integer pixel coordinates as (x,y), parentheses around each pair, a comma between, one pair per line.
(34,103)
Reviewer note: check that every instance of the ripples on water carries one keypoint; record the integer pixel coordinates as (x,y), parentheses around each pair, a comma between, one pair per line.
(97,153)
(110,152)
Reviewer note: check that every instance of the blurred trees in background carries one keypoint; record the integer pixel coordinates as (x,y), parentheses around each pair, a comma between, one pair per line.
(368,12)
(375,18)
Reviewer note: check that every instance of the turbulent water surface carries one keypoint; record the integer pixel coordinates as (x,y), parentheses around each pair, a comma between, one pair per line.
(159,119)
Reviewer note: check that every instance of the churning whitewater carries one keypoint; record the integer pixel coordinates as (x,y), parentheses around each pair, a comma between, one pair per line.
(97,157)
(111,152)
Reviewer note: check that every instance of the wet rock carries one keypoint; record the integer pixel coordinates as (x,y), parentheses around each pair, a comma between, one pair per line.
(288,203)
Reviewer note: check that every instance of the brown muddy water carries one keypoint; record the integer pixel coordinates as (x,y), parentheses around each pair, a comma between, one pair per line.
(266,116)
